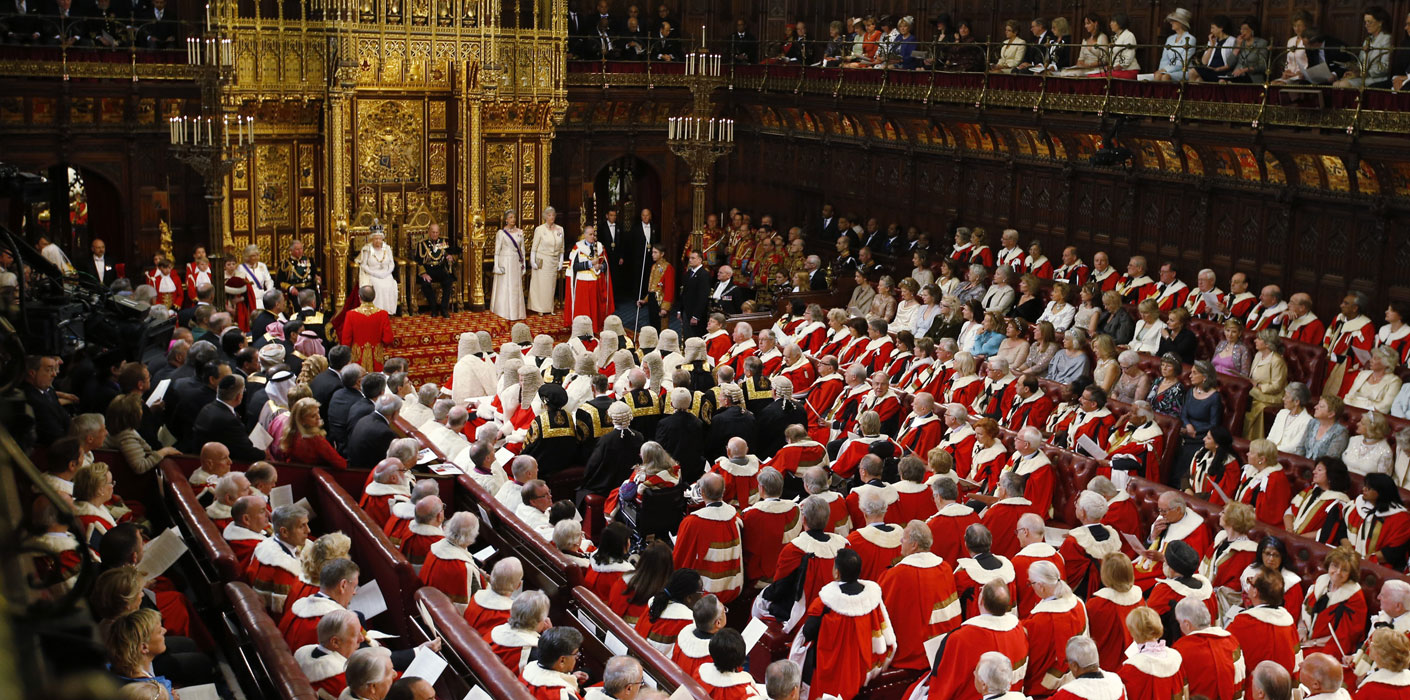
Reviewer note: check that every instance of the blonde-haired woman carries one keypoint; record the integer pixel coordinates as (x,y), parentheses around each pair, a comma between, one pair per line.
(1108,607)
(92,489)
(1264,485)
(1107,370)
(334,545)
(133,642)
(1149,329)
(1375,390)
(1368,451)
(304,440)
(510,262)
(1151,670)
(545,259)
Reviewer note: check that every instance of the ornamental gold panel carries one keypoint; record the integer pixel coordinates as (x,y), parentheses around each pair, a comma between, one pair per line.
(306,166)
(306,211)
(272,165)
(439,206)
(240,175)
(528,208)
(499,178)
(529,167)
(438,116)
(241,214)
(390,137)
(438,163)
(391,205)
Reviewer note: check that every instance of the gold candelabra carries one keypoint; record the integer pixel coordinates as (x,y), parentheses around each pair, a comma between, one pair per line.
(700,139)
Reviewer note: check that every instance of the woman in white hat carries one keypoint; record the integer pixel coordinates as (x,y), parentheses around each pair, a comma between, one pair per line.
(507,295)
(545,260)
(375,265)
(1179,47)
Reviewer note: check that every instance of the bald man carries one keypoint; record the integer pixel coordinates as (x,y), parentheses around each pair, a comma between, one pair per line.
(425,529)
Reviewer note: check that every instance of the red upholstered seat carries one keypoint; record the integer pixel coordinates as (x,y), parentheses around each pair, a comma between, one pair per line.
(198,525)
(485,669)
(272,660)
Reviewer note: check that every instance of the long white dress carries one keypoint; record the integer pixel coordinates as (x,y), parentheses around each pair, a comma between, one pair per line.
(374,267)
(547,257)
(260,281)
(507,295)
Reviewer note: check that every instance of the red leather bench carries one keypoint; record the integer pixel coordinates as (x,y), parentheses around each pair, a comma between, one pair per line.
(601,622)
(267,656)
(544,568)
(467,653)
(215,551)
(371,549)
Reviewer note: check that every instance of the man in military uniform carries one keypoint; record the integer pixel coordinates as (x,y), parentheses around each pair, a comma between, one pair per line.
(103,27)
(297,274)
(436,256)
(715,240)
(660,289)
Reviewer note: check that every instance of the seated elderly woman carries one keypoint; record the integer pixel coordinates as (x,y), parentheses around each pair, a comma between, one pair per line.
(1375,390)
(1133,384)
(515,640)
(1291,423)
(883,303)
(489,607)
(904,318)
(1000,295)
(973,289)
(449,567)
(1369,450)
(1326,435)
(92,489)
(1264,485)
(1269,372)
(1114,320)
(123,418)
(1149,330)
(1071,362)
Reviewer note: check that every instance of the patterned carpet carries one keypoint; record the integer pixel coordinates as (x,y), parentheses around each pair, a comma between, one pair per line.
(430,342)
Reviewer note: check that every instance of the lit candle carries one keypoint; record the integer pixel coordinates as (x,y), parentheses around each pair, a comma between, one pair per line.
(208,16)
(252,130)
(209,138)
(225,128)
(671,127)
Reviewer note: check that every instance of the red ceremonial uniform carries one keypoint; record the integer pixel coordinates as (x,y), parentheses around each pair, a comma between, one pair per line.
(1106,278)
(1136,289)
(947,528)
(964,390)
(986,463)
(1226,562)
(1025,558)
(958,656)
(822,398)
(1219,663)
(1153,673)
(802,374)
(1190,529)
(854,642)
(547,684)
(920,434)
(1269,492)
(300,622)
(1171,296)
(1040,267)
(1266,633)
(197,275)
(810,336)
(512,646)
(1341,340)
(878,545)
(1122,516)
(815,551)
(996,397)
(1203,479)
(843,417)
(1106,611)
(1143,443)
(708,542)
(398,525)
(717,344)
(605,580)
(368,331)
(853,449)
(972,573)
(839,520)
(1040,479)
(798,455)
(983,255)
(1096,425)
(737,355)
(1372,530)
(898,367)
(276,575)
(1338,613)
(1001,517)
(487,610)
(854,501)
(377,499)
(876,356)
(663,631)
(243,542)
(452,571)
(172,296)
(920,591)
(324,669)
(1082,551)
(741,480)
(727,685)
(692,650)
(1384,684)
(959,442)
(765,528)
(1051,624)
(1168,591)
(1099,685)
(914,501)
(1033,411)
(417,544)
(1306,328)
(1074,275)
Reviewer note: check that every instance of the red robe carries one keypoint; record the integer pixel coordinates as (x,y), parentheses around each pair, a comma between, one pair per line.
(854,643)
(398,524)
(853,449)
(691,651)
(607,580)
(1266,633)
(852,349)
(1143,443)
(1227,560)
(547,684)
(487,610)
(512,646)
(300,622)
(324,671)
(1305,329)
(996,397)
(983,255)
(1001,518)
(1154,675)
(958,656)
(1033,411)
(1025,558)
(1106,278)
(964,390)
(839,520)
(914,501)
(195,277)
(1341,340)
(1216,654)
(1040,479)
(1082,555)
(1168,591)
(1096,425)
(741,480)
(171,299)
(802,374)
(1372,531)
(986,463)
(898,367)
(243,542)
(1190,529)
(1051,624)
(772,359)
(817,555)
(843,418)
(822,398)
(810,336)
(854,502)
(276,575)
(417,546)
(377,499)
(727,685)
(947,528)
(920,434)
(1203,481)
(368,331)
(959,442)
(1337,613)
(876,356)
(1268,492)
(1075,275)
(1135,289)
(1106,612)
(797,455)
(663,631)
(1122,516)
(878,545)
(1102,685)
(972,573)
(1383,684)
(709,542)
(765,528)
(887,406)
(920,590)
(452,571)
(1312,508)
(737,355)
(1170,296)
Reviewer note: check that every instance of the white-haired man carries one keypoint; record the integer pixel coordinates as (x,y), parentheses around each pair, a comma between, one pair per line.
(798,370)
(230,488)
(919,592)
(1088,679)
(1197,303)
(1084,547)
(877,542)
(1033,548)
(1211,650)
(324,663)
(959,437)
(425,530)
(744,348)
(448,565)
(1040,476)
(766,526)
(994,676)
(389,485)
(1000,388)
(922,430)
(489,607)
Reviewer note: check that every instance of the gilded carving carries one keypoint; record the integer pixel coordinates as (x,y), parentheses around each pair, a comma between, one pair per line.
(413,203)
(438,163)
(527,208)
(439,207)
(438,115)
(147,110)
(499,178)
(306,165)
(241,214)
(240,176)
(306,211)
(528,169)
(272,184)
(389,139)
(391,205)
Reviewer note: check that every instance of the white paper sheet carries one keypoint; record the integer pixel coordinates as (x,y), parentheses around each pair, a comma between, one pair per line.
(427,665)
(1212,301)
(932,646)
(587,623)
(1133,541)
(484,555)
(446,469)
(425,456)
(199,692)
(378,636)
(158,393)
(308,507)
(281,495)
(368,600)
(752,632)
(502,457)
(1362,356)
(161,553)
(1091,448)
(260,438)
(616,646)
(682,693)
(477,693)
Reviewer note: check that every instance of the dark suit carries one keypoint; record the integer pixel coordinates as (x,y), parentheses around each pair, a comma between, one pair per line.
(184,400)
(683,436)
(358,411)
(173,373)
(743,48)
(666,48)
(876,240)
(51,420)
(217,422)
(611,462)
(20,27)
(828,230)
(338,407)
(184,316)
(817,280)
(636,250)
(773,420)
(154,32)
(258,325)
(368,442)
(728,422)
(693,300)
(323,387)
(729,299)
(87,264)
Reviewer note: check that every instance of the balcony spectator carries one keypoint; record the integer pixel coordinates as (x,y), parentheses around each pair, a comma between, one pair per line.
(1095,52)
(23,24)
(1252,63)
(157,25)
(967,56)
(835,49)
(1295,60)
(1326,436)
(1040,51)
(743,46)
(1221,54)
(1179,47)
(634,41)
(939,45)
(665,46)
(1372,67)
(1123,43)
(865,46)
(1013,50)
(902,53)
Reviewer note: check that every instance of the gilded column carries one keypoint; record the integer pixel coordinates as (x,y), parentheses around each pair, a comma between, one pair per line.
(473,200)
(335,143)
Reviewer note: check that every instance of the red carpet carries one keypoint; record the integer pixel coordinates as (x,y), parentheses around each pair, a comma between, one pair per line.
(431,342)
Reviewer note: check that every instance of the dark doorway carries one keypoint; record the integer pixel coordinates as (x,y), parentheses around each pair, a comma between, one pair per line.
(628,184)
